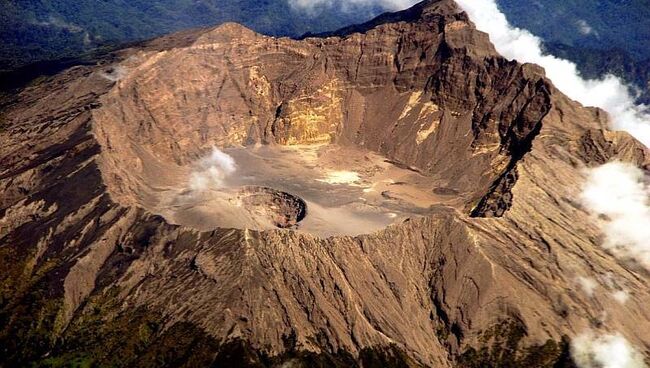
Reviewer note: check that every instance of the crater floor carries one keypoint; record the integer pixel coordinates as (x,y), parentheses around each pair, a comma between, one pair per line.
(346,191)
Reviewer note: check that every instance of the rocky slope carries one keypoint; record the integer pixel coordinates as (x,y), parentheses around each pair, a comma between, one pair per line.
(92,274)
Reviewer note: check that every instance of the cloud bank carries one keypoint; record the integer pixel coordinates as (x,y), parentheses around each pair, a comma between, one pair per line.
(608,93)
(212,171)
(620,191)
(604,351)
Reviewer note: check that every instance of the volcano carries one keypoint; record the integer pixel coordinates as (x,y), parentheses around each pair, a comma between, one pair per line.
(393,194)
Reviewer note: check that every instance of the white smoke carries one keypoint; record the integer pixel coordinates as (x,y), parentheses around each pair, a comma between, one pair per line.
(604,351)
(608,93)
(620,192)
(391,5)
(212,171)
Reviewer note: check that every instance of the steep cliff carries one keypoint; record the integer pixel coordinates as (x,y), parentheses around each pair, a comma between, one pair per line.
(94,273)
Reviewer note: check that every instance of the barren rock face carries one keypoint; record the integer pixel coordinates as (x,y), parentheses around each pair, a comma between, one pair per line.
(282,209)
(393,194)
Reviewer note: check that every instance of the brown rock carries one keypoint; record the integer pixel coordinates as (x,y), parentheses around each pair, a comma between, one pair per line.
(84,158)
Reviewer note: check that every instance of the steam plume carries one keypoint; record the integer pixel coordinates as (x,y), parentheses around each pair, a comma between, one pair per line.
(212,171)
(619,191)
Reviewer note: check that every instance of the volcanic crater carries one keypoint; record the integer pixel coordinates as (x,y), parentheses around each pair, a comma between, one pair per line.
(324,189)
(126,186)
(283,209)
(336,154)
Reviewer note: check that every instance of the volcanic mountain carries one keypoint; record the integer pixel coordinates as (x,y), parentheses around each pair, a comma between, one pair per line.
(392,194)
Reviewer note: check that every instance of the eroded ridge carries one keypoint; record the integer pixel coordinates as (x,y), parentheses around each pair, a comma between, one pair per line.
(445,107)
(126,239)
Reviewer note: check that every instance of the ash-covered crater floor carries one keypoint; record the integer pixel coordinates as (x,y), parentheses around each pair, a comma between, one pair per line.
(325,190)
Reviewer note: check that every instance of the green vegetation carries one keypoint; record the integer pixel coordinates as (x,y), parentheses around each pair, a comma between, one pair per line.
(35,30)
(501,347)
(602,25)
(594,63)
(103,334)
(65,362)
(601,37)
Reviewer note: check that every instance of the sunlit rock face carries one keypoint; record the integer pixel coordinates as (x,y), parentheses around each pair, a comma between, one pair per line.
(392,194)
(391,91)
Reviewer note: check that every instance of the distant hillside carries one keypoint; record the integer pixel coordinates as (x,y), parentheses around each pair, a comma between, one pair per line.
(594,63)
(601,37)
(601,25)
(606,36)
(35,30)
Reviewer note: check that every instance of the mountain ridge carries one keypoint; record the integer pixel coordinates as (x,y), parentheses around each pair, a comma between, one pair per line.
(107,276)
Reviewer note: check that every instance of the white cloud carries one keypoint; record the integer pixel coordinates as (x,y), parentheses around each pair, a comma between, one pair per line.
(617,292)
(604,351)
(620,192)
(621,296)
(616,190)
(212,171)
(588,285)
(608,93)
